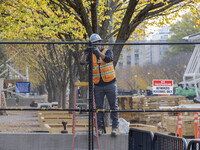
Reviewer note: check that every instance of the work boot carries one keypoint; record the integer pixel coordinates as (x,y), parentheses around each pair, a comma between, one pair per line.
(100,131)
(114,131)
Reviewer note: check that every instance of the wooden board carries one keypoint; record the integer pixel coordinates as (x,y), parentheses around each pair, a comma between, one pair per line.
(144,127)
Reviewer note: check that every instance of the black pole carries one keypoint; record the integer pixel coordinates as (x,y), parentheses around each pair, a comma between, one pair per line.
(90,136)
(72,42)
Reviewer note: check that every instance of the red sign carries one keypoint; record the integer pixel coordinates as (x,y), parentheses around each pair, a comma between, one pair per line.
(162,82)
(162,86)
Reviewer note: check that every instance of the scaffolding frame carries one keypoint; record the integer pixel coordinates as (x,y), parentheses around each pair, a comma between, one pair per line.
(191,76)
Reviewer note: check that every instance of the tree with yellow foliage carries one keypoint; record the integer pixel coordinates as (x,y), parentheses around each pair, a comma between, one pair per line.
(78,19)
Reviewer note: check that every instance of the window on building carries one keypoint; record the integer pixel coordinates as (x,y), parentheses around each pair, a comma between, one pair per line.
(128,60)
(136,48)
(120,64)
(128,50)
(136,59)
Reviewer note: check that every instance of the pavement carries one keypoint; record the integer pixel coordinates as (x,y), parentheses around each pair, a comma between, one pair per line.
(19,122)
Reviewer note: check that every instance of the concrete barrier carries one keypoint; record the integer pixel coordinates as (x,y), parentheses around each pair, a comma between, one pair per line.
(49,141)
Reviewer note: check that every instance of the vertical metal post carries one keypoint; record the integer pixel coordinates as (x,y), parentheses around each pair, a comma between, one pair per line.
(27,79)
(8,71)
(91,125)
(1,89)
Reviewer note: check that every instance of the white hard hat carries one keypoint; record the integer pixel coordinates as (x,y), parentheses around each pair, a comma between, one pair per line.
(95,37)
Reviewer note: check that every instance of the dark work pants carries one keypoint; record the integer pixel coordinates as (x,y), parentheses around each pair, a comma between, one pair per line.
(110,91)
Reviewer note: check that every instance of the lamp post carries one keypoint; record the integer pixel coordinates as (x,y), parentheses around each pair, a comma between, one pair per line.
(148,77)
(164,73)
(135,76)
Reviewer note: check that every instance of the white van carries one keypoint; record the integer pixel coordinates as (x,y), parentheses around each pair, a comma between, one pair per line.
(44,105)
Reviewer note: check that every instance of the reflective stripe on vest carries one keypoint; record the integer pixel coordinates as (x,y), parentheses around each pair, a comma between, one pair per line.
(106,69)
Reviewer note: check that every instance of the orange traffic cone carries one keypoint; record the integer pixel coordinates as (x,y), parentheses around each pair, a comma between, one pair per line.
(196,125)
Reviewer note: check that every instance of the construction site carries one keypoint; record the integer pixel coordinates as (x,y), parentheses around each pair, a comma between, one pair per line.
(45,129)
(99,75)
(158,121)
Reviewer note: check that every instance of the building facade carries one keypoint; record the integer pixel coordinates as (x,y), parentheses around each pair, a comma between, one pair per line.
(132,55)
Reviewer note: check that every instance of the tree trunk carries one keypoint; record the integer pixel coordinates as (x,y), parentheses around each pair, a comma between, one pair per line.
(71,94)
(64,102)
(50,90)
(57,92)
(50,95)
(58,96)
(42,89)
(71,82)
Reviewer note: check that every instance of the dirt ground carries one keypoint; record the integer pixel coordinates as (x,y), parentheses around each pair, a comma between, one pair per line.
(19,122)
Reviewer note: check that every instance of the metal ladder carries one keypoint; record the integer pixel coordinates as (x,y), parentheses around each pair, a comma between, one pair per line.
(81,116)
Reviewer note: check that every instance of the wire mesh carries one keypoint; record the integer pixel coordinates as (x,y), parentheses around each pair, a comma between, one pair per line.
(29,121)
(166,142)
(140,139)
(194,145)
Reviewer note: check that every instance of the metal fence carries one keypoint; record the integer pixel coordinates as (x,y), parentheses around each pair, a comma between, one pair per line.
(140,139)
(194,145)
(167,142)
(146,140)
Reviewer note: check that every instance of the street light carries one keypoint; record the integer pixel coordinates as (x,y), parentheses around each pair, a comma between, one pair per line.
(135,76)
(164,73)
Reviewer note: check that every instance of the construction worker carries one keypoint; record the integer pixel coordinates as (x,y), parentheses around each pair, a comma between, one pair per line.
(104,82)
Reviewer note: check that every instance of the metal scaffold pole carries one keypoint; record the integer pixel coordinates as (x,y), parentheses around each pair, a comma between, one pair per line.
(90,136)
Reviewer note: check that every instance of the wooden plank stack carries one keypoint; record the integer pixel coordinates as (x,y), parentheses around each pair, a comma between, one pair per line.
(52,121)
(147,103)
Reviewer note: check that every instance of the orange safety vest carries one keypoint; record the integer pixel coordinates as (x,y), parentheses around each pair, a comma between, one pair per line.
(106,69)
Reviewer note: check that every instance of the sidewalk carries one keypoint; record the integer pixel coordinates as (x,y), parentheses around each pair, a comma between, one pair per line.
(19,122)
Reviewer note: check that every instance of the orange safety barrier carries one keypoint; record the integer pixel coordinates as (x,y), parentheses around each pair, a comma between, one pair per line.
(196,125)
(179,125)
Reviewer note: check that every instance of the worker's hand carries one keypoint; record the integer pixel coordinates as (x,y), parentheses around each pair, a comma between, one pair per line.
(97,51)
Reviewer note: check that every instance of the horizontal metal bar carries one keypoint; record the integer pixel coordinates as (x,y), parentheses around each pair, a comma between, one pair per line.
(42,42)
(155,110)
(150,43)
(99,110)
(71,42)
(41,109)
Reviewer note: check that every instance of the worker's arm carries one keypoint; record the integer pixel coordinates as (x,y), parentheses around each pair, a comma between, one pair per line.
(108,56)
(102,55)
(99,53)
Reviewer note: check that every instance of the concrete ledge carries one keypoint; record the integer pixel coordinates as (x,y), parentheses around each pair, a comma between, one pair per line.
(49,141)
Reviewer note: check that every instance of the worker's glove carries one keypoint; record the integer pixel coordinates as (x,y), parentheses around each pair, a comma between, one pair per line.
(97,51)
